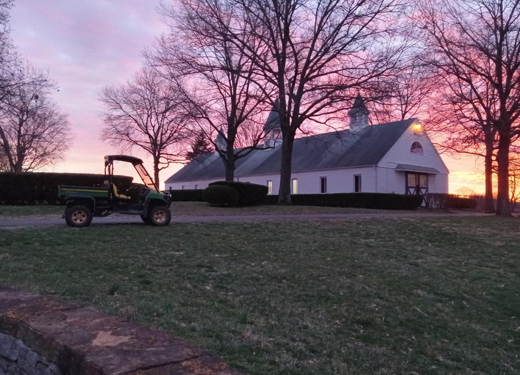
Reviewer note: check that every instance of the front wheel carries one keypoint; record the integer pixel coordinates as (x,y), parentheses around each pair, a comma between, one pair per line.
(160,216)
(78,216)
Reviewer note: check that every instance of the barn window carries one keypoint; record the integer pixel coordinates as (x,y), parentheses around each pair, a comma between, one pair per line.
(417,148)
(294,186)
(357,183)
(323,185)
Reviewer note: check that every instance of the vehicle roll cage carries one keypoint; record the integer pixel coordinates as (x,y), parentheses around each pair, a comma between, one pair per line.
(136,162)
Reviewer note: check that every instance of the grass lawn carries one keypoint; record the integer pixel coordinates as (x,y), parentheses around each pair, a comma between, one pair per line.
(189,209)
(203,209)
(20,212)
(402,296)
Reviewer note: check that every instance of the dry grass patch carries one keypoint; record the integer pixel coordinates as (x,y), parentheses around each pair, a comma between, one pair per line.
(414,296)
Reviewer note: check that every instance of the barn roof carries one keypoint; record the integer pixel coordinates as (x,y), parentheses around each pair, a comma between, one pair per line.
(335,150)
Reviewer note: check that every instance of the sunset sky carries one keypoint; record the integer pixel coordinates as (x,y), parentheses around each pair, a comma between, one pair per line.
(86,45)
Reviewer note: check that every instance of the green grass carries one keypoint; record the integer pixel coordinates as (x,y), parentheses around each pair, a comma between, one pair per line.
(402,296)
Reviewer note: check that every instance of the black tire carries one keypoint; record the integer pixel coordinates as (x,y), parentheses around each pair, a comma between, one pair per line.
(160,216)
(78,216)
(146,219)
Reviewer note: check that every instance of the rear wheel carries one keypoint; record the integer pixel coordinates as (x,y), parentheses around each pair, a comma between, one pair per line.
(160,216)
(78,216)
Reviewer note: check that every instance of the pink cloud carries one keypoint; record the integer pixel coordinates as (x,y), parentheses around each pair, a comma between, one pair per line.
(89,44)
(85,45)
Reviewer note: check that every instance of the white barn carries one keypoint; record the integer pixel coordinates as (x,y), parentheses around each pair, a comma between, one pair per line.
(396,157)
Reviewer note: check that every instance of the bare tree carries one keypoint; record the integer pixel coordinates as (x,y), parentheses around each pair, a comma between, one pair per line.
(8,59)
(4,163)
(464,130)
(315,54)
(475,45)
(514,177)
(218,92)
(143,114)
(33,131)
(407,93)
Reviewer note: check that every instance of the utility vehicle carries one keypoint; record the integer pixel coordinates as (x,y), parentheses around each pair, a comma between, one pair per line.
(84,202)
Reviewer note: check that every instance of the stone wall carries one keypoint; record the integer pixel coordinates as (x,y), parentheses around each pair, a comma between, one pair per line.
(16,358)
(42,335)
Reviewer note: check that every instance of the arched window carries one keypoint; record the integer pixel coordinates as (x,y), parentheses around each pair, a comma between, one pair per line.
(417,148)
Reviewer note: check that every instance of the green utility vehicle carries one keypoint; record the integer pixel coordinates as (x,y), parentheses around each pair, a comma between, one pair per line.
(84,202)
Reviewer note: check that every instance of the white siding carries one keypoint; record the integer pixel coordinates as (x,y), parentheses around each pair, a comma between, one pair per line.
(338,181)
(394,182)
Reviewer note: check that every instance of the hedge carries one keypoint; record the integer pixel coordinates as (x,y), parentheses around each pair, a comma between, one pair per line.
(250,194)
(446,201)
(42,188)
(221,195)
(356,200)
(192,195)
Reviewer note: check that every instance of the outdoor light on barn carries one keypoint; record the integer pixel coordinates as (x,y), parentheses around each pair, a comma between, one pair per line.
(417,128)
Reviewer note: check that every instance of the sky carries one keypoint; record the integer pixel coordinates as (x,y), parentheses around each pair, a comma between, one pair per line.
(86,45)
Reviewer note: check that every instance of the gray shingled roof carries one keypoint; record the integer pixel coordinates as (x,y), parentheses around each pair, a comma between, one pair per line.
(335,150)
(416,168)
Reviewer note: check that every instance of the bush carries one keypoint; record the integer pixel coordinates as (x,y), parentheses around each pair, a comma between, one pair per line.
(221,195)
(250,194)
(446,201)
(356,200)
(42,188)
(462,203)
(192,195)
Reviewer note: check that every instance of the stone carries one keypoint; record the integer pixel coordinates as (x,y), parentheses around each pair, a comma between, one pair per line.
(9,348)
(18,359)
(45,336)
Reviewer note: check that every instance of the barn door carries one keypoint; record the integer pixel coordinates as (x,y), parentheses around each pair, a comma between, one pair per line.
(417,184)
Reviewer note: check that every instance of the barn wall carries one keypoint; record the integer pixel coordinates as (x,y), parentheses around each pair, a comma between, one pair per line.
(383,179)
(401,153)
(338,181)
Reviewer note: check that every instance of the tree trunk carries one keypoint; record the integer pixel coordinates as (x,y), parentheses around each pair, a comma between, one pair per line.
(503,207)
(17,168)
(284,196)
(156,171)
(489,205)
(230,164)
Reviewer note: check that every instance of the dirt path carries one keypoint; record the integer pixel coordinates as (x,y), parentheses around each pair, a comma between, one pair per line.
(111,220)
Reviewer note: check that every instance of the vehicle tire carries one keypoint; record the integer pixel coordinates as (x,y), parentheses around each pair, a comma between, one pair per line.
(78,216)
(146,219)
(160,216)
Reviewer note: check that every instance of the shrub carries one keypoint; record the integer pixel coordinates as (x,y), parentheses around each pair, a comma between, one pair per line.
(356,200)
(42,188)
(446,201)
(221,195)
(462,203)
(192,195)
(250,194)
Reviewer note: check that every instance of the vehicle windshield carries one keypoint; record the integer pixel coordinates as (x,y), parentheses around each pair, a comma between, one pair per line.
(147,180)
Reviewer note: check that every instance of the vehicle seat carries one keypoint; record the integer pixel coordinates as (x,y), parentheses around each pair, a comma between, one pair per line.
(119,196)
